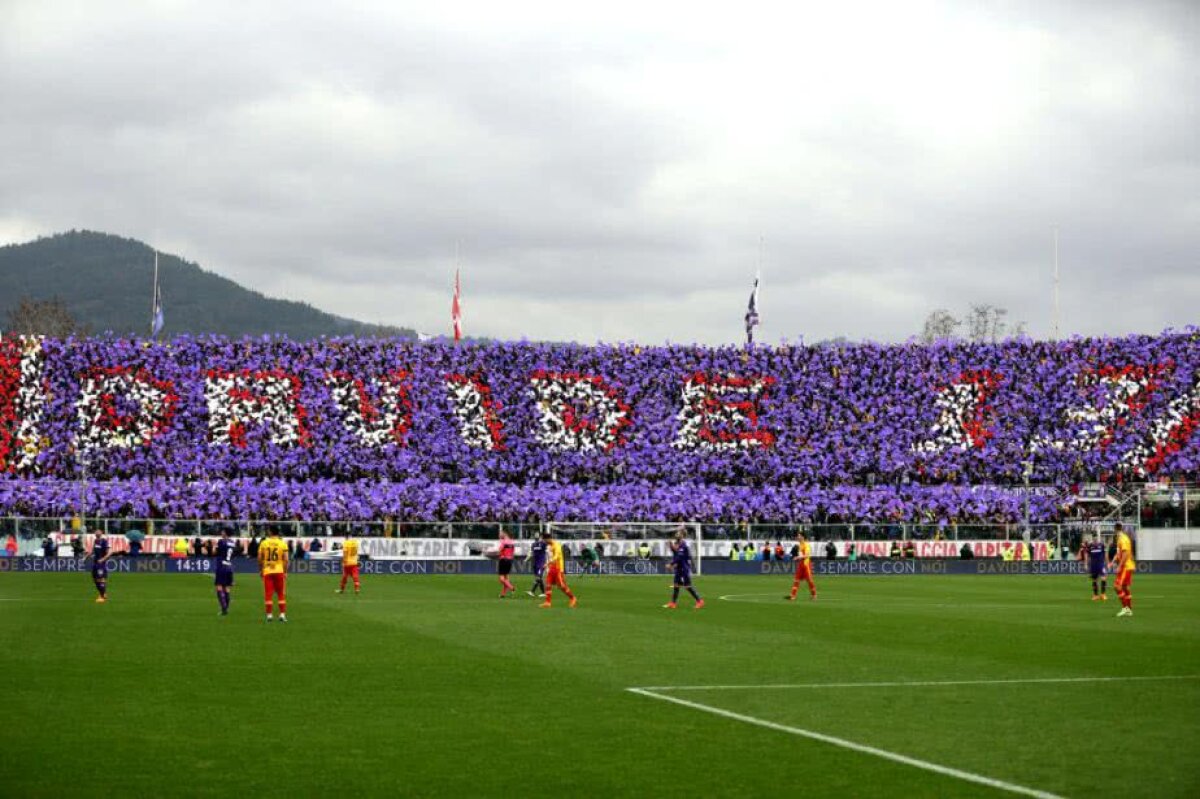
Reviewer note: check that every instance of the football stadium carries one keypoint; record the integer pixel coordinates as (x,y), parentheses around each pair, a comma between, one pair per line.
(870,562)
(613,400)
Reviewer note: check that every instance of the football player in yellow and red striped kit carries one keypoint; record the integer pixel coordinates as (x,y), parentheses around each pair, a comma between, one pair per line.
(273,562)
(350,565)
(555,571)
(803,569)
(1124,565)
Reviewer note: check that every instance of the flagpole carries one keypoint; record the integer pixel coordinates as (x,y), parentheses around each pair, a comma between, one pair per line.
(762,251)
(154,295)
(455,305)
(457,295)
(752,318)
(1056,306)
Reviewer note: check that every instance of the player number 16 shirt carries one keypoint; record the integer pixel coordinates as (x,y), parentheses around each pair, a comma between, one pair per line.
(274,553)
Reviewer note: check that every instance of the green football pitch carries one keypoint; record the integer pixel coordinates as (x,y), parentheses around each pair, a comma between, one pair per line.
(431,686)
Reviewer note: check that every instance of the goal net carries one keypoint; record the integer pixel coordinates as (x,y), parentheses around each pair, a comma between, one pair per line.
(631,540)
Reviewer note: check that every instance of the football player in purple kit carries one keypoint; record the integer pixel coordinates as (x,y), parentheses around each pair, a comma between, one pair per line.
(223,571)
(101,552)
(1095,554)
(537,553)
(681,562)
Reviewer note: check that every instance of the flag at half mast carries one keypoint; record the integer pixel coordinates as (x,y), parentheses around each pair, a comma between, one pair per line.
(456,309)
(752,313)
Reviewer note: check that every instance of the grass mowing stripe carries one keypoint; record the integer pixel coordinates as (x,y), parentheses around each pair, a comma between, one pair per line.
(895,757)
(918,683)
(773,598)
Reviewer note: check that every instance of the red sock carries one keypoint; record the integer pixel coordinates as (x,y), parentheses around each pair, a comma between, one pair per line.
(269,608)
(795,589)
(282,607)
(342,587)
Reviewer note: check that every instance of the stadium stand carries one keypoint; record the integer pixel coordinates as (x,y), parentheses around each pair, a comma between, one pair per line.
(381,428)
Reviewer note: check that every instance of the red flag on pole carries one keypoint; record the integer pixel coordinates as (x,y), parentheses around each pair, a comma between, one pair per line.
(456,309)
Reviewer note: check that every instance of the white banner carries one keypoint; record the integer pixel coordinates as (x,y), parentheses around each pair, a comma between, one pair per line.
(460,548)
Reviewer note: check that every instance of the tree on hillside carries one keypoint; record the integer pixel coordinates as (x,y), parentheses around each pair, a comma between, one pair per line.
(939,326)
(43,318)
(984,322)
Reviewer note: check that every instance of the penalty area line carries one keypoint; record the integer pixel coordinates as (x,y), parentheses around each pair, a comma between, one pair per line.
(895,757)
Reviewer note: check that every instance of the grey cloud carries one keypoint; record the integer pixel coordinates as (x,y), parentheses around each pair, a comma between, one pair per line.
(343,155)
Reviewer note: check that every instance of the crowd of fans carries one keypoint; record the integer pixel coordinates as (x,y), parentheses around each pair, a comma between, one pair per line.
(209,427)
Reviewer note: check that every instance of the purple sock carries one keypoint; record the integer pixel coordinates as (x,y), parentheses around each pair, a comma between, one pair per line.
(102,587)
(221,599)
(675,594)
(228,598)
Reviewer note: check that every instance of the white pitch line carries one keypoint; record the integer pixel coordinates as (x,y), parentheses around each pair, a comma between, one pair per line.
(917,683)
(895,757)
(208,598)
(125,599)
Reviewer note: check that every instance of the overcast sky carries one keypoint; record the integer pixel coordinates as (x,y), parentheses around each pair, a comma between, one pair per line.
(619,173)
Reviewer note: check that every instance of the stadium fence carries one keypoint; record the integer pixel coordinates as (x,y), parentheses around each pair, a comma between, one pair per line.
(714,538)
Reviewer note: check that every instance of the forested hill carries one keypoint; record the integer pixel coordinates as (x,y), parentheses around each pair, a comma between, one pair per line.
(105,282)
